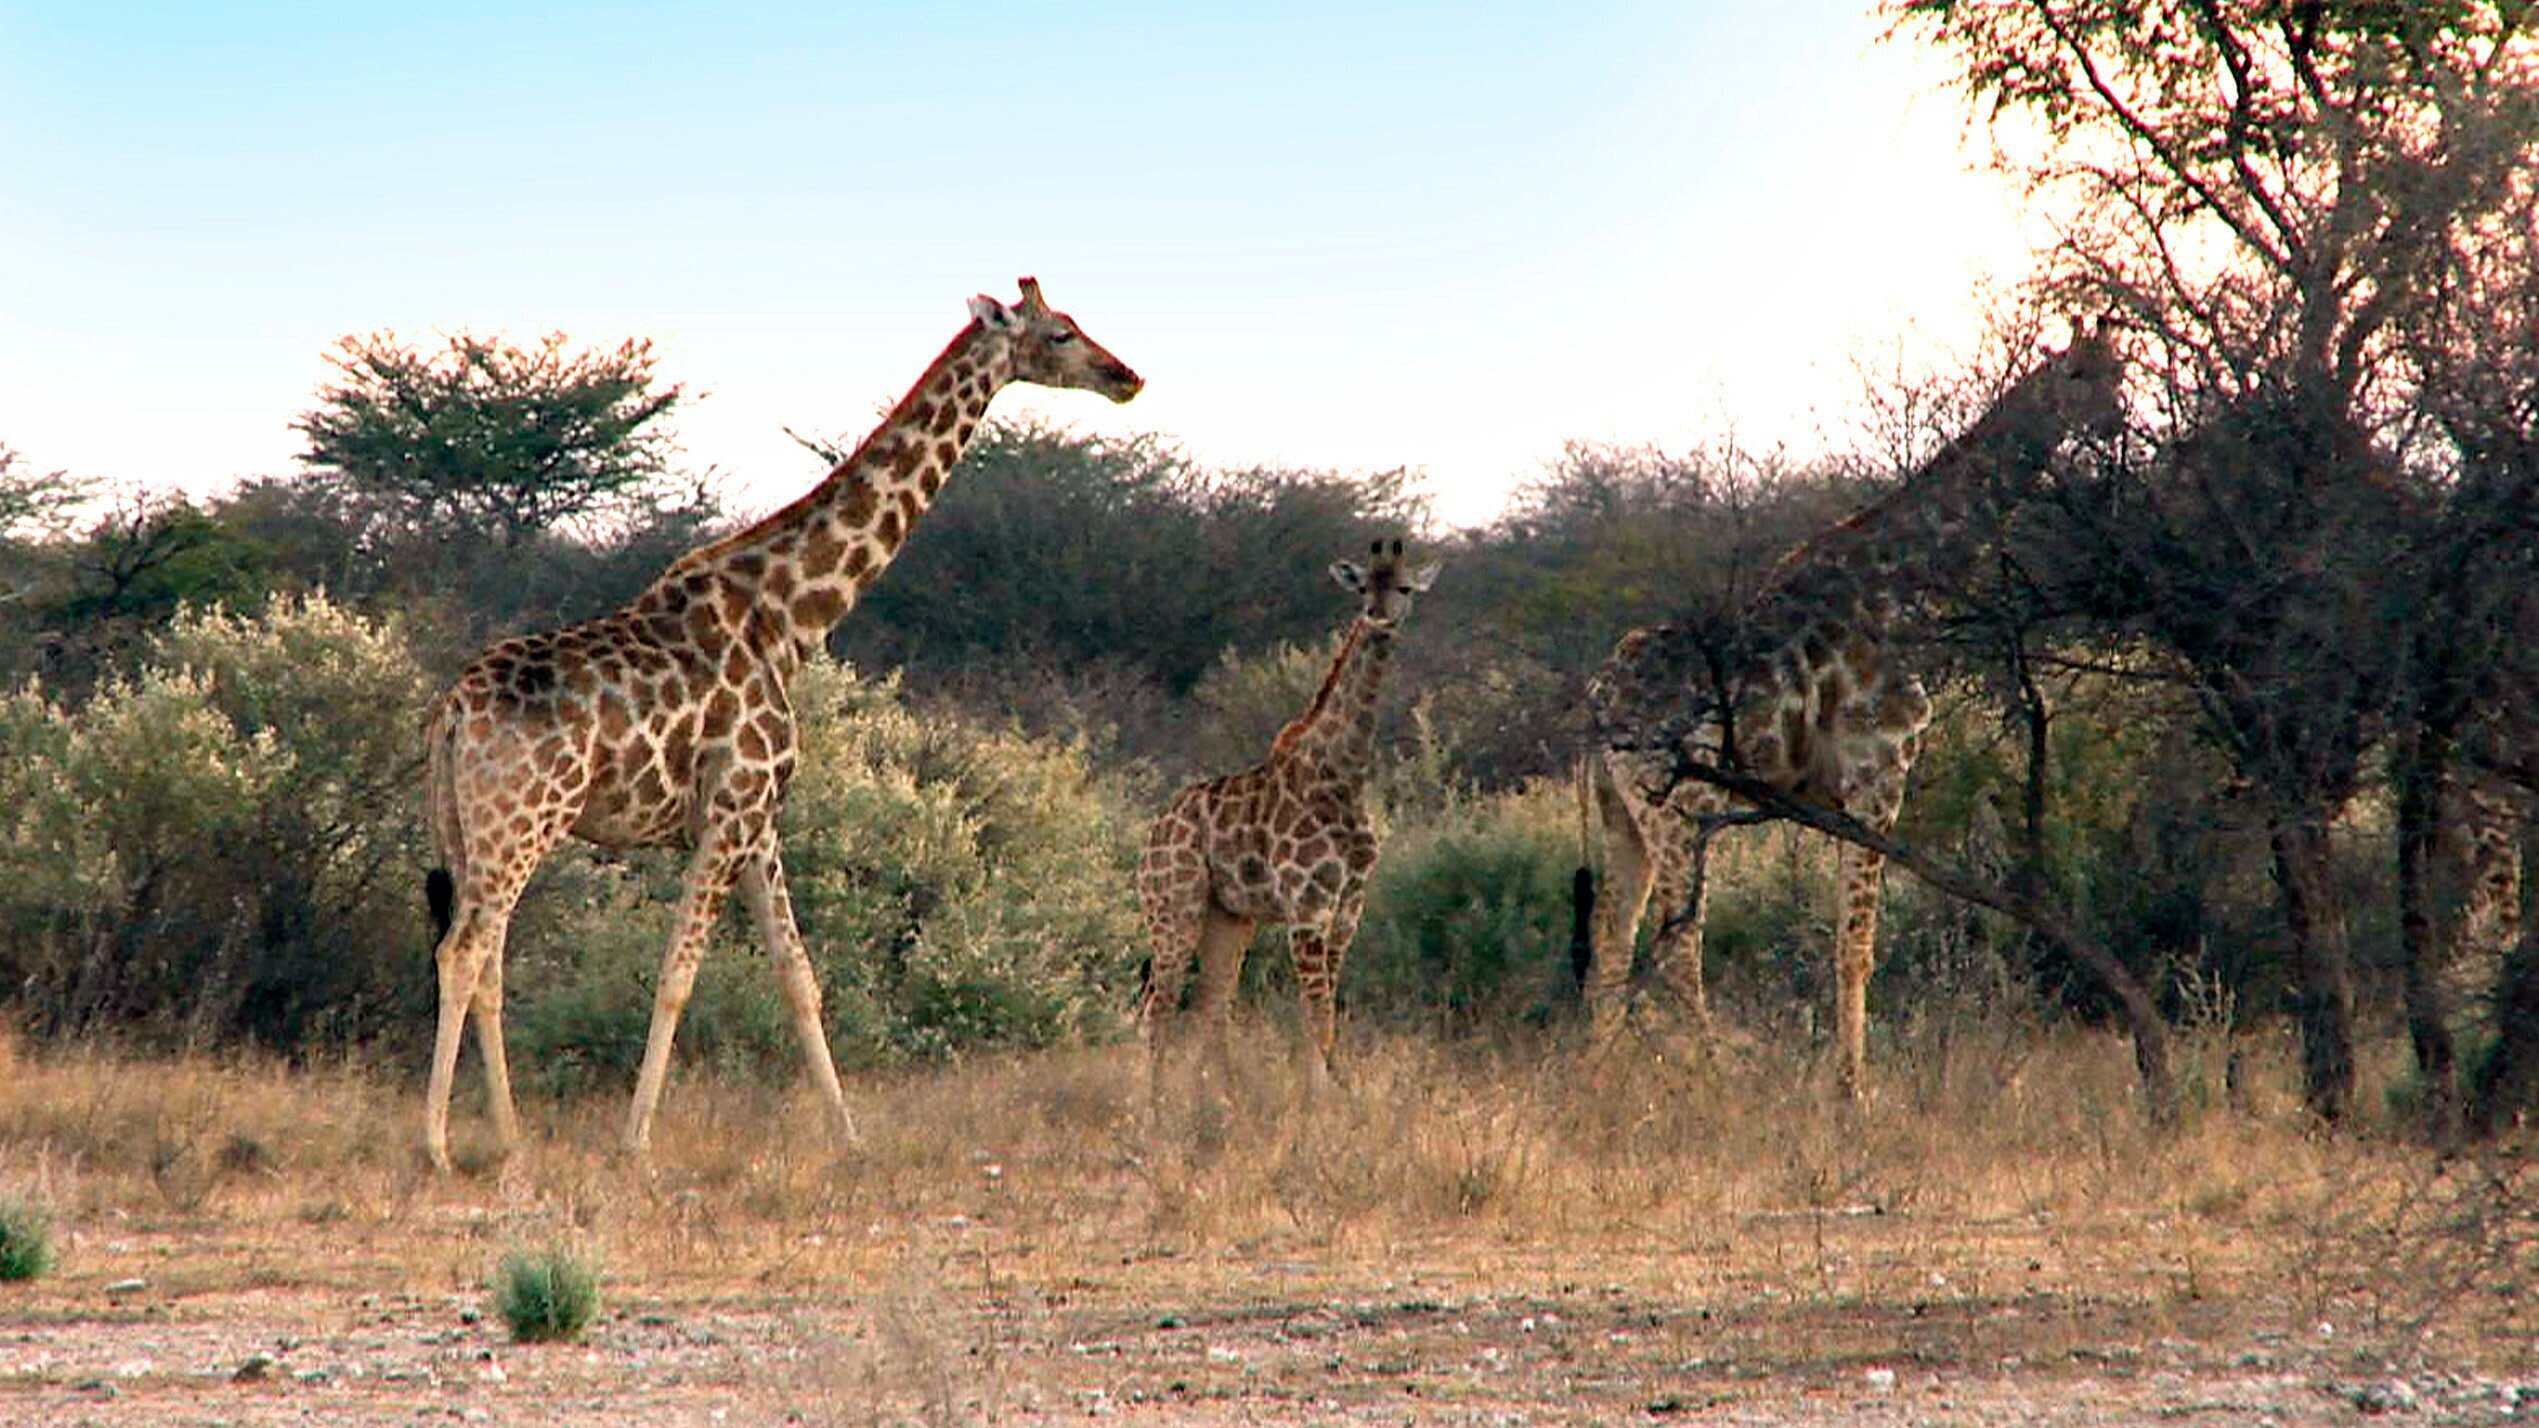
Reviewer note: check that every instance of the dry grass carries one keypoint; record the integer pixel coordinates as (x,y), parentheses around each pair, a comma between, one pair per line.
(2000,1174)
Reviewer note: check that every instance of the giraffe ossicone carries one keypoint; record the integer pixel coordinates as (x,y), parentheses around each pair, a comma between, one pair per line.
(1288,842)
(668,722)
(1806,694)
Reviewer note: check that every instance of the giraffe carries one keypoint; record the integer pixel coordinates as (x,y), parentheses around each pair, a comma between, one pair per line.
(668,721)
(1287,842)
(1807,695)
(2479,864)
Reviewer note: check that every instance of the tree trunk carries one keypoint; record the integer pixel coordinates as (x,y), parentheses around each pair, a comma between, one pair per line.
(2326,1003)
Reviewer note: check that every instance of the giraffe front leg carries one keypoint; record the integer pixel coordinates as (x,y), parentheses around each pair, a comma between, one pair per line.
(1319,955)
(1223,939)
(711,872)
(1861,875)
(762,884)
(1682,895)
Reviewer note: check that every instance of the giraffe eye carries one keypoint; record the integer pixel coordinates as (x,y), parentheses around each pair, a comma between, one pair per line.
(1061,338)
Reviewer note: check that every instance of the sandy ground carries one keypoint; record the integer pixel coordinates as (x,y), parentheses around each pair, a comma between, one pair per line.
(1412,1335)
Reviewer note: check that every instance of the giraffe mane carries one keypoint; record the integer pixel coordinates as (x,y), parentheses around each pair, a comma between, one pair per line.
(819,493)
(1296,728)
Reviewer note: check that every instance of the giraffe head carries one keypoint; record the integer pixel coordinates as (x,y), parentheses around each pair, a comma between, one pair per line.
(1384,582)
(2081,388)
(1050,349)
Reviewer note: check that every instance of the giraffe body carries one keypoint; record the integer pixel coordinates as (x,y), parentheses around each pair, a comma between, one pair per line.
(668,722)
(1811,698)
(1286,843)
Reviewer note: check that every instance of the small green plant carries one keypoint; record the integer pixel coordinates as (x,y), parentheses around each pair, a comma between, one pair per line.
(26,1241)
(546,1296)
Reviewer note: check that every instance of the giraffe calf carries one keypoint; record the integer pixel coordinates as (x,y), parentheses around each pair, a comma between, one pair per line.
(1286,843)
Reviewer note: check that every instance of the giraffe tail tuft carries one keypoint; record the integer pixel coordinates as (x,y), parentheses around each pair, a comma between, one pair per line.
(1582,921)
(440,892)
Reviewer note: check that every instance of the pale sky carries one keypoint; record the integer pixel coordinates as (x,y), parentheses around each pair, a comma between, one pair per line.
(1353,235)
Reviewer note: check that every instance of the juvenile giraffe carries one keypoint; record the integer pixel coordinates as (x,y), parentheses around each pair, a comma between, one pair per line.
(1286,843)
(668,722)
(1805,695)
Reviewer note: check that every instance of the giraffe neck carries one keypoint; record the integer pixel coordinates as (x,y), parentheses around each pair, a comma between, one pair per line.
(807,563)
(1914,538)
(1337,730)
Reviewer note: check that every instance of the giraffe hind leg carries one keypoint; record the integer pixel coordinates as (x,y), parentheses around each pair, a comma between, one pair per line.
(1629,874)
(468,952)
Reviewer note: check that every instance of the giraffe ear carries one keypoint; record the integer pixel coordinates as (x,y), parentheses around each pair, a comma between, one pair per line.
(1351,575)
(993,315)
(1426,575)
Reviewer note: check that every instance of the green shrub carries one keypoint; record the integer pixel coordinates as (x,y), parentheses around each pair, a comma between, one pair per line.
(225,844)
(547,1296)
(1467,918)
(26,1240)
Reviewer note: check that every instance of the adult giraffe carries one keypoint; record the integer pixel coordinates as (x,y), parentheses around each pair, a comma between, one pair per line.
(668,722)
(1806,695)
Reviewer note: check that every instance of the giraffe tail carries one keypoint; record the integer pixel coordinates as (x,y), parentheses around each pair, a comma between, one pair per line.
(1582,923)
(440,893)
(1582,892)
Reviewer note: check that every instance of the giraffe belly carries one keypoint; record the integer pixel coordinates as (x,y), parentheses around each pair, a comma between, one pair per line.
(641,810)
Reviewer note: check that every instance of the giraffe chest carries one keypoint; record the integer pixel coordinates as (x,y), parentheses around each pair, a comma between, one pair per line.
(1281,853)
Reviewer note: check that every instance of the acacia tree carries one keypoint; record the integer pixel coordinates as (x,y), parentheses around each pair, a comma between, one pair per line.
(2280,196)
(490,440)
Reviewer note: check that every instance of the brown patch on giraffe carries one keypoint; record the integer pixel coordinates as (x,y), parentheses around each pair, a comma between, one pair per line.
(856,507)
(945,453)
(819,608)
(721,713)
(942,418)
(780,583)
(930,482)
(911,455)
(887,530)
(860,566)
(820,547)
(747,565)
(910,507)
